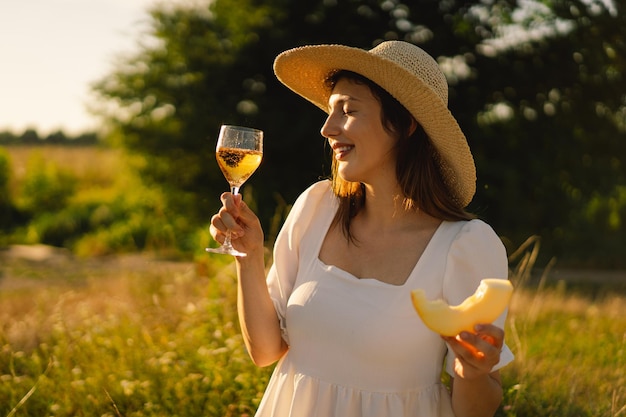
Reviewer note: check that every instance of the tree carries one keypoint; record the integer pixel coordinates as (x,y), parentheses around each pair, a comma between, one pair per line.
(30,137)
(207,66)
(553,129)
(536,87)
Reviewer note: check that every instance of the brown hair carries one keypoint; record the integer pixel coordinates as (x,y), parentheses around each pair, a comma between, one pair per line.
(417,164)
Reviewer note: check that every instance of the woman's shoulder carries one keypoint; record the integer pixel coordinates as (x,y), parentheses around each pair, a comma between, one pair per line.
(476,236)
(319,187)
(312,201)
(477,226)
(476,252)
(473,227)
(315,193)
(475,233)
(312,207)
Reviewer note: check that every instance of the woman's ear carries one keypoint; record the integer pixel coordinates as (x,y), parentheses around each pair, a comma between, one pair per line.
(413,126)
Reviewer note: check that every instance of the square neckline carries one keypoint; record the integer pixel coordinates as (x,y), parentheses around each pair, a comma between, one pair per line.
(371,280)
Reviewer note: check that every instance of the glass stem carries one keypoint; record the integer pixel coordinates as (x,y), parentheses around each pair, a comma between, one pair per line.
(227,241)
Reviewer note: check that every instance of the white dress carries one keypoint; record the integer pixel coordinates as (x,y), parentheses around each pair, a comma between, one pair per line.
(357,348)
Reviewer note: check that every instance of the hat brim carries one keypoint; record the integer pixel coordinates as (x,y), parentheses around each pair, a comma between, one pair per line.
(305,69)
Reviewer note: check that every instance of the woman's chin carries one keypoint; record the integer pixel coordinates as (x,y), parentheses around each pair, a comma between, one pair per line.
(347,174)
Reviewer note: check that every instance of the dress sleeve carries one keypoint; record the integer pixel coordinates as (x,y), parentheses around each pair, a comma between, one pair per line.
(476,253)
(286,253)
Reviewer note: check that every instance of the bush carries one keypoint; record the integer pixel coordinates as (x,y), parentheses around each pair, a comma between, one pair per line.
(88,215)
(102,222)
(6,208)
(46,187)
(132,218)
(10,216)
(597,238)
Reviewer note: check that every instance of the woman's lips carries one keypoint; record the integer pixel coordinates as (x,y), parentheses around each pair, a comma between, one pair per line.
(342,150)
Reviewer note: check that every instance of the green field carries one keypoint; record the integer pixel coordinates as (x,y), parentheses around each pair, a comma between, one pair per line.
(134,336)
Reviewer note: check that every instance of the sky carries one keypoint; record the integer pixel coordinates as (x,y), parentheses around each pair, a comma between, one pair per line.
(51,51)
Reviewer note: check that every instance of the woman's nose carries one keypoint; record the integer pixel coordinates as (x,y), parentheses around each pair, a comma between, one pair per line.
(330,127)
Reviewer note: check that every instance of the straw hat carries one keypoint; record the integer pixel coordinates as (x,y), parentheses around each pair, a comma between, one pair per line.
(405,71)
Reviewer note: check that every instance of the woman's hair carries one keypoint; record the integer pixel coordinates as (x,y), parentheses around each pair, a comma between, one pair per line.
(417,164)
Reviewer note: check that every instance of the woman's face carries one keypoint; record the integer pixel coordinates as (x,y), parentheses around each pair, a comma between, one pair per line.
(363,149)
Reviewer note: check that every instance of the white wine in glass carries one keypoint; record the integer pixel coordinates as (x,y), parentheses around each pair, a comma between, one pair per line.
(239,152)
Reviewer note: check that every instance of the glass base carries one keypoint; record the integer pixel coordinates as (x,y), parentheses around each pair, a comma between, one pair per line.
(224,250)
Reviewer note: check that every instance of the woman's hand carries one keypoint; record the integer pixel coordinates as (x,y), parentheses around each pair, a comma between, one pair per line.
(476,389)
(476,353)
(244,226)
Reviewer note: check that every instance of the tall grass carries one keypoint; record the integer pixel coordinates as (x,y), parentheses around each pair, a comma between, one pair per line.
(569,341)
(149,341)
(150,338)
(570,358)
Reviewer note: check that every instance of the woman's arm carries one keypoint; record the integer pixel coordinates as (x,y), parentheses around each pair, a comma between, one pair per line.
(478,397)
(476,390)
(257,316)
(476,253)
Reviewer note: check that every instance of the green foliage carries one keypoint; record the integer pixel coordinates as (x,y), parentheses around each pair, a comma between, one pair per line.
(5,172)
(547,127)
(100,227)
(7,211)
(537,88)
(46,188)
(597,224)
(213,65)
(133,228)
(110,212)
(544,115)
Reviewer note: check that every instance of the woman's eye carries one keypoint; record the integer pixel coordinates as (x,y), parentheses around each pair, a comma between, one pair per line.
(348,111)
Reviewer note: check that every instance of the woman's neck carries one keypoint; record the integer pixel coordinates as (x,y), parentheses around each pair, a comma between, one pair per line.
(384,206)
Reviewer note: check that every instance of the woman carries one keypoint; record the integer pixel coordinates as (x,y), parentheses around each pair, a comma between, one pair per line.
(335,307)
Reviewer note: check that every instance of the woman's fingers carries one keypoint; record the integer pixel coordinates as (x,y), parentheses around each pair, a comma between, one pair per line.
(231,202)
(217,228)
(236,218)
(490,334)
(226,218)
(477,353)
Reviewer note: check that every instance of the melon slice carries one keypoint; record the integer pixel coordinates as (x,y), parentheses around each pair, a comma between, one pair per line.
(484,306)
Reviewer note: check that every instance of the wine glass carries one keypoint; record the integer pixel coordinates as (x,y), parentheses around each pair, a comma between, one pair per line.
(239,152)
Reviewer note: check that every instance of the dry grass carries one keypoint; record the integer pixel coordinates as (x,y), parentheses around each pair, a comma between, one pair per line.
(570,354)
(125,336)
(140,337)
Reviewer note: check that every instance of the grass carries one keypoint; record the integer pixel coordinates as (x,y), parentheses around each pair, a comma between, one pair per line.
(140,339)
(132,336)
(570,354)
